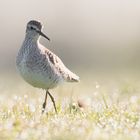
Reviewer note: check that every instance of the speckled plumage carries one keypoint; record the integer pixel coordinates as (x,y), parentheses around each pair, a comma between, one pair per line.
(38,65)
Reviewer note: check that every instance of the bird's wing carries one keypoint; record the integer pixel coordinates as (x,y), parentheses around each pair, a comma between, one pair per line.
(60,67)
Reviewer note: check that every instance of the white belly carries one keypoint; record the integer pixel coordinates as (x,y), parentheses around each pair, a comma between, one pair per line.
(39,79)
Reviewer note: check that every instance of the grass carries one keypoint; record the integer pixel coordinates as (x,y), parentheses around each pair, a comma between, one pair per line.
(99,109)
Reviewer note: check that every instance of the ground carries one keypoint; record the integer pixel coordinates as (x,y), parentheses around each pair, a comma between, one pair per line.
(99,108)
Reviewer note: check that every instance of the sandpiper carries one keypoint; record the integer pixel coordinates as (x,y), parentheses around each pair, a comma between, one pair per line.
(38,65)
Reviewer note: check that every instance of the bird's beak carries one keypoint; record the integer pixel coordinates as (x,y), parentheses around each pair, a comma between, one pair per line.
(42,34)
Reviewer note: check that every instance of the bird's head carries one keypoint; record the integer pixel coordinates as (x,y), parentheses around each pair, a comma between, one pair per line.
(34,28)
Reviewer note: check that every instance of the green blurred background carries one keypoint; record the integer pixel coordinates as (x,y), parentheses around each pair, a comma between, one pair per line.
(86,34)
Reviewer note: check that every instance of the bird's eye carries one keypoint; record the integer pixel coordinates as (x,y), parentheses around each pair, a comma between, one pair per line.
(32,28)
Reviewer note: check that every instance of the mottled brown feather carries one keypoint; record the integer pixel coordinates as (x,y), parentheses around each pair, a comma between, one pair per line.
(61,68)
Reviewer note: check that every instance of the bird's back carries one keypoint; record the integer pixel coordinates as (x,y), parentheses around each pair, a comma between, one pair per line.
(57,64)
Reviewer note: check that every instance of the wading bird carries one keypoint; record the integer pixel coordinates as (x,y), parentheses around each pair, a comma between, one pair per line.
(38,65)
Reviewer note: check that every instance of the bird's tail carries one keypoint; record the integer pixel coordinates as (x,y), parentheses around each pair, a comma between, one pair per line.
(73,77)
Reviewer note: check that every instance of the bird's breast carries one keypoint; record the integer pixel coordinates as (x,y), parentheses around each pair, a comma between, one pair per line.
(38,75)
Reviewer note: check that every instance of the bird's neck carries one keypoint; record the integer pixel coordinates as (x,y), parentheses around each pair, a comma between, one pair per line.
(32,38)
(30,43)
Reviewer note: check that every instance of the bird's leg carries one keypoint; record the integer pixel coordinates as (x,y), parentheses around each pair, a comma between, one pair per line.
(52,98)
(45,102)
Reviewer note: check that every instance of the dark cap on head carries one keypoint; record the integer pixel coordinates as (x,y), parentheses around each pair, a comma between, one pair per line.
(35,27)
(36,23)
